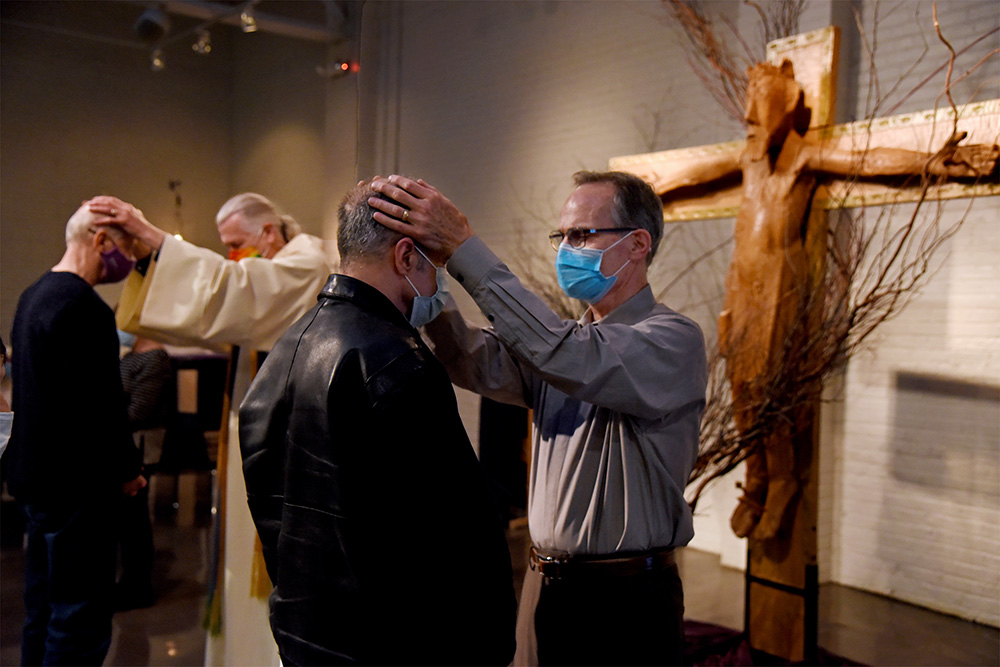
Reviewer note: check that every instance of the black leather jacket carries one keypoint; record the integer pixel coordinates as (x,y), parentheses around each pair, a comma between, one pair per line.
(379,533)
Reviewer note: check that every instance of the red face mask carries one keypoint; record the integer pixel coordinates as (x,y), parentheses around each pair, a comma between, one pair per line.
(243,253)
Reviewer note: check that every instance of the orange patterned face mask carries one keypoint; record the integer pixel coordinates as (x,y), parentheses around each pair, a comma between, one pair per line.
(243,253)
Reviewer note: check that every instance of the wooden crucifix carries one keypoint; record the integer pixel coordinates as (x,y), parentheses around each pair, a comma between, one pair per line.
(771,183)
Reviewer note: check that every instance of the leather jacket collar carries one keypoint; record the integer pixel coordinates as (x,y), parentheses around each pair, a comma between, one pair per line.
(339,286)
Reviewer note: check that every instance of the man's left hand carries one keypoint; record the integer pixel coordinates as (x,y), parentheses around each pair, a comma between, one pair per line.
(967,161)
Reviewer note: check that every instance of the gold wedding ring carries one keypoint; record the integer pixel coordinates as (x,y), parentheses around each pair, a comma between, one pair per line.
(406,215)
(113,213)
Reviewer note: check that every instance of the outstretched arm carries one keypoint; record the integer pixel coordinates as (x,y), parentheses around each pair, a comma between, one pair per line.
(675,171)
(952,160)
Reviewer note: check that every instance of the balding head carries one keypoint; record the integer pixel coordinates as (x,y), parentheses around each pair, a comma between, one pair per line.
(81,225)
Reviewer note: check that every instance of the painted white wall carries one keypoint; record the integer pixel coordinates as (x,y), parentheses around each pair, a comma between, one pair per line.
(916,496)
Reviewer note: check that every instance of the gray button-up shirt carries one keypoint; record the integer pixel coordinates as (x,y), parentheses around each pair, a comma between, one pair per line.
(617,406)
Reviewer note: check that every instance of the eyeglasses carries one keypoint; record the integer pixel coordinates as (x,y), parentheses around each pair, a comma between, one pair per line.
(577,238)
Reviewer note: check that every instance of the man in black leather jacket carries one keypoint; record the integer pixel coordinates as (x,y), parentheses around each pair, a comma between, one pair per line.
(362,481)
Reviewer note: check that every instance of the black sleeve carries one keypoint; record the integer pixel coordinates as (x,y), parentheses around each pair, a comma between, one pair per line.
(263,425)
(99,387)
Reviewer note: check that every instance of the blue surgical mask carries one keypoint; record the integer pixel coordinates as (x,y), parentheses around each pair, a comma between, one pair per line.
(125,339)
(426,308)
(579,271)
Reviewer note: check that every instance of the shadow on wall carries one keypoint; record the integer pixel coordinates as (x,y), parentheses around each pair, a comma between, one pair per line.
(938,527)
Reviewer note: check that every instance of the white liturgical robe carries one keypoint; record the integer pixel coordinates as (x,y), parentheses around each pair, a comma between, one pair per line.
(193,296)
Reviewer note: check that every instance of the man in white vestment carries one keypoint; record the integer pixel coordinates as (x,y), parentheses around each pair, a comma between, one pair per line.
(187,295)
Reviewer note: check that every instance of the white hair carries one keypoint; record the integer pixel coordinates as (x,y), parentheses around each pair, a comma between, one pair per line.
(257,211)
(81,223)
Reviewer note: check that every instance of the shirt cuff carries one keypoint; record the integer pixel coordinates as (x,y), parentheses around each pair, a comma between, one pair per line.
(142,266)
(470,263)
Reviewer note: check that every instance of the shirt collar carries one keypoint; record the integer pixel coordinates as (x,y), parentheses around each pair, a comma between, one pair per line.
(630,312)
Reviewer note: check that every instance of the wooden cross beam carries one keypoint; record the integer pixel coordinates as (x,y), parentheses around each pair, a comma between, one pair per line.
(924,130)
(779,182)
(814,56)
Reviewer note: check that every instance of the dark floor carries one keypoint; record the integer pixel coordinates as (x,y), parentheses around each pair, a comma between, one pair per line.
(859,626)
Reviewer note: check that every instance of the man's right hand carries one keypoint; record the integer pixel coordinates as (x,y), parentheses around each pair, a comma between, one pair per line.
(426,215)
(129,219)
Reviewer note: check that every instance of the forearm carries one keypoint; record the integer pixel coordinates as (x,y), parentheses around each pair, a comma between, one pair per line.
(198,297)
(953,160)
(694,168)
(474,358)
(891,162)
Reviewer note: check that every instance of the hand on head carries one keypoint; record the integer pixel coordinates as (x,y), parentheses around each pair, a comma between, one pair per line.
(423,214)
(128,219)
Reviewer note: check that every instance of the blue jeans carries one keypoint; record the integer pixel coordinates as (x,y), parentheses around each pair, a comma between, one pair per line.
(69,579)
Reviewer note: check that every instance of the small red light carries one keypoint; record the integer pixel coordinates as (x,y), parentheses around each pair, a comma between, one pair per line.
(344,66)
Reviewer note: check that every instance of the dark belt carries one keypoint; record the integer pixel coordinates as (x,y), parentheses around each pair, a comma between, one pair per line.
(561,566)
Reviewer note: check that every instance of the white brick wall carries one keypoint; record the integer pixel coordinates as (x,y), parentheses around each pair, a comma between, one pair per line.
(499,102)
(917,500)
(919,513)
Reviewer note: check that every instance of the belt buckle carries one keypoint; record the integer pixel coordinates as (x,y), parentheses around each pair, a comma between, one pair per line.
(553,563)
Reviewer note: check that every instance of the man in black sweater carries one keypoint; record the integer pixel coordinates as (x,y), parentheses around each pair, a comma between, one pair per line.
(71,455)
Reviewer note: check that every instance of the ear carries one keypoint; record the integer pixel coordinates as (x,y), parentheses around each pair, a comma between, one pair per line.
(404,256)
(787,69)
(100,236)
(642,241)
(271,233)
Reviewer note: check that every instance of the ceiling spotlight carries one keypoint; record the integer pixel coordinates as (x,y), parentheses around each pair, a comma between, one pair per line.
(247,20)
(152,24)
(156,61)
(204,44)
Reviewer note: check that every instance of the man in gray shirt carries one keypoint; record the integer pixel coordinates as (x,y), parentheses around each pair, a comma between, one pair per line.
(617,399)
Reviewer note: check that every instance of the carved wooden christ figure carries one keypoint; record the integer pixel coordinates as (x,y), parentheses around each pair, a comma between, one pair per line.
(769,278)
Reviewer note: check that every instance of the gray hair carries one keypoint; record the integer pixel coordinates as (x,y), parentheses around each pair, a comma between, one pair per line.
(359,237)
(635,203)
(81,223)
(257,211)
